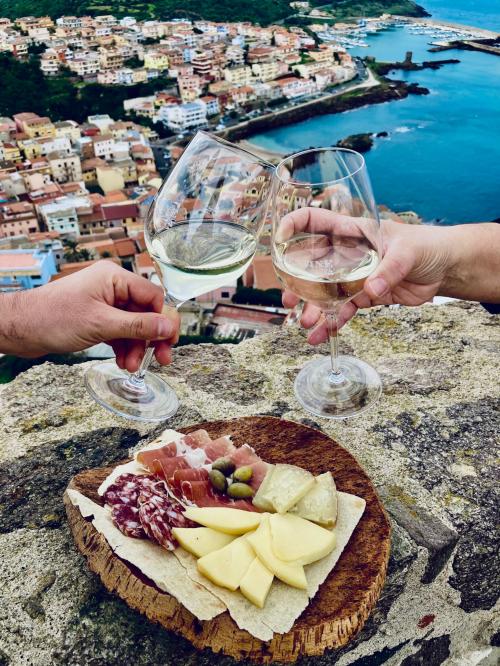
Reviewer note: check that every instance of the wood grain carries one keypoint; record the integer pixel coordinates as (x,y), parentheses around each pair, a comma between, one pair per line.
(343,602)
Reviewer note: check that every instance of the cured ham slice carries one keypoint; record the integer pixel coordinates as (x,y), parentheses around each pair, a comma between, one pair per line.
(245,456)
(219,448)
(170,465)
(202,494)
(148,456)
(198,439)
(181,475)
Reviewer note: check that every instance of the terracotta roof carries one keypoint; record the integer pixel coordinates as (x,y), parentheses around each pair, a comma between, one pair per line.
(143,260)
(69,269)
(125,247)
(115,196)
(14,260)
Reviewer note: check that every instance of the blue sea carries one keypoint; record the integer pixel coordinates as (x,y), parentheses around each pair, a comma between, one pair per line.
(442,156)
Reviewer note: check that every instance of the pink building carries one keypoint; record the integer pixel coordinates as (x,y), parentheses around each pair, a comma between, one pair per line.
(18,219)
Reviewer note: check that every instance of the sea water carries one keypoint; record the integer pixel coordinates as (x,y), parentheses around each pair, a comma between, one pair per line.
(442,156)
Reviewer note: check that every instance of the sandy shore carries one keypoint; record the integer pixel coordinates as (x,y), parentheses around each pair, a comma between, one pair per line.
(487,34)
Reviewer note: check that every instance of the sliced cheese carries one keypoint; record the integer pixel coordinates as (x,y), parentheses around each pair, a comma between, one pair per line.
(259,499)
(299,541)
(287,486)
(260,540)
(256,583)
(320,503)
(227,566)
(229,521)
(201,541)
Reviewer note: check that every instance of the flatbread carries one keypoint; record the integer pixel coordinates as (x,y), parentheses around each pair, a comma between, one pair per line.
(177,572)
(155,562)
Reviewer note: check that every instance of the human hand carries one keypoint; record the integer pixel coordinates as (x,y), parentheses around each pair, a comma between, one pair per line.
(102,303)
(413,268)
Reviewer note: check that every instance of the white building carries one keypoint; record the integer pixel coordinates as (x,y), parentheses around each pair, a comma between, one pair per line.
(180,117)
(61,215)
(65,168)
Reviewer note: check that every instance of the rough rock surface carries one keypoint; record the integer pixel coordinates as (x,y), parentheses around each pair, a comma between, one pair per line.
(431,446)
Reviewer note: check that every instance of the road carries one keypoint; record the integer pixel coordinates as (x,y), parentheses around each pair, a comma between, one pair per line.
(368,81)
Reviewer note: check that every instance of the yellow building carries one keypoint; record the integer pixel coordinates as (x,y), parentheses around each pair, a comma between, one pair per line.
(30,148)
(39,127)
(109,179)
(155,60)
(10,152)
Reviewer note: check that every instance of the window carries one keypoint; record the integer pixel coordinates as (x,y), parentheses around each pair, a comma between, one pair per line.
(224,294)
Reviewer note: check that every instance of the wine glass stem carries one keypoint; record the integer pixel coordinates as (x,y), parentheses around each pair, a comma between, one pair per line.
(336,376)
(136,381)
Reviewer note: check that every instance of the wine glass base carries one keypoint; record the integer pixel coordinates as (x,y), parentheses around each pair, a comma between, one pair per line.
(354,392)
(109,386)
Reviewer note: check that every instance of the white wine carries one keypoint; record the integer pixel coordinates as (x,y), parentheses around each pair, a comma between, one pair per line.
(324,269)
(193,258)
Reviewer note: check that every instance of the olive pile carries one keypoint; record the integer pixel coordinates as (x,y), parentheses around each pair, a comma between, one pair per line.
(225,478)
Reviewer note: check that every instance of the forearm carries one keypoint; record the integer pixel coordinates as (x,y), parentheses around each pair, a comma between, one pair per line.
(473,271)
(13,309)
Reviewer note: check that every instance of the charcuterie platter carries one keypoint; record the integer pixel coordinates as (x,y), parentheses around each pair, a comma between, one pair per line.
(260,538)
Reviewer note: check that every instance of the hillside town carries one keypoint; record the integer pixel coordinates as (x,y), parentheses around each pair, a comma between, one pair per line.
(73,193)
(210,68)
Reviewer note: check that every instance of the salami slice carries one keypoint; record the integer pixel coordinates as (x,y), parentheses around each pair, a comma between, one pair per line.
(126,519)
(127,488)
(155,525)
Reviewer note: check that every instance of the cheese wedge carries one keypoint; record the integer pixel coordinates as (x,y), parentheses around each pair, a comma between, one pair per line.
(320,503)
(290,573)
(201,541)
(287,486)
(299,541)
(256,583)
(227,566)
(229,521)
(259,498)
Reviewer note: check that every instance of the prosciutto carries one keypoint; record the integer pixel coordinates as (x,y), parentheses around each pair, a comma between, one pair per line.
(184,466)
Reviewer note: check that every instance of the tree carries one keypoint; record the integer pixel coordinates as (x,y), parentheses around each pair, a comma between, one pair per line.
(73,254)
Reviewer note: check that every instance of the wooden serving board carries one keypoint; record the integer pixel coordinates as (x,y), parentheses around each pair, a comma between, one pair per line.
(343,602)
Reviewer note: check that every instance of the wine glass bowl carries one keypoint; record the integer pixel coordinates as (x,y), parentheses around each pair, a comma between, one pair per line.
(325,243)
(201,232)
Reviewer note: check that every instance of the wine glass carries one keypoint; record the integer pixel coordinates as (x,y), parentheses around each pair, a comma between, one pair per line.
(201,231)
(325,243)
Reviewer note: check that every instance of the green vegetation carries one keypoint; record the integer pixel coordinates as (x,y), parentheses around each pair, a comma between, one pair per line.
(23,87)
(265,297)
(263,12)
(345,9)
(204,339)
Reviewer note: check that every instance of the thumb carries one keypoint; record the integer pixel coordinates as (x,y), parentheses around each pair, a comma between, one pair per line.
(394,267)
(138,326)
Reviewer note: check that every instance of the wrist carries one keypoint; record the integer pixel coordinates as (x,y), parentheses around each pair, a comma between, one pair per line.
(474,264)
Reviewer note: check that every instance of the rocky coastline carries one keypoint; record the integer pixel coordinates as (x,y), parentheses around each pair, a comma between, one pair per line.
(386,92)
(383,68)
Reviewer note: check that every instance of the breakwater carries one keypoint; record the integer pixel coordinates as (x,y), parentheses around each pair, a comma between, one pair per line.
(386,92)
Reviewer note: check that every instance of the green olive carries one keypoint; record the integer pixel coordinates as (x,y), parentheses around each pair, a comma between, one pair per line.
(240,491)
(218,480)
(224,465)
(243,474)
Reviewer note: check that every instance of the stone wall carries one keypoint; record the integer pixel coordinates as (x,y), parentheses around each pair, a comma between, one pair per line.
(430,445)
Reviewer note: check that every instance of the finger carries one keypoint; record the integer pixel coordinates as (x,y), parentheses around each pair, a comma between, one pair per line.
(134,354)
(392,270)
(347,312)
(119,349)
(163,353)
(319,334)
(320,220)
(136,326)
(289,299)
(173,315)
(131,288)
(310,316)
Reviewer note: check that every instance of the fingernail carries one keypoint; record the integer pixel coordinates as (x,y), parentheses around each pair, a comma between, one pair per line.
(164,328)
(379,286)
